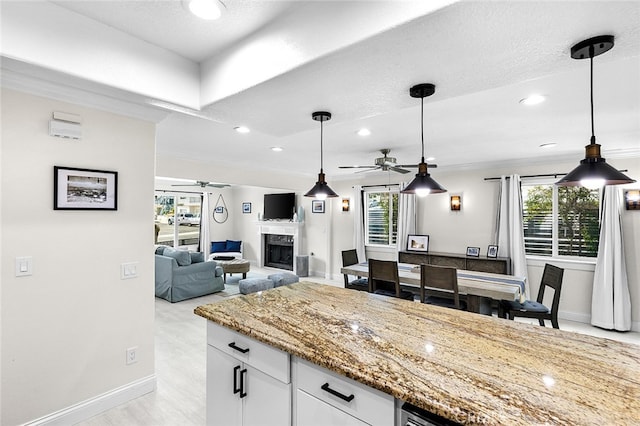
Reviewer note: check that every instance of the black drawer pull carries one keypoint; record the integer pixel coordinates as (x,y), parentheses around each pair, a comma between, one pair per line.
(236,389)
(242,392)
(232,345)
(326,388)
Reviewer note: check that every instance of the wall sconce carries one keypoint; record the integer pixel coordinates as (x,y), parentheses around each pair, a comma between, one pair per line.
(345,204)
(632,199)
(456,202)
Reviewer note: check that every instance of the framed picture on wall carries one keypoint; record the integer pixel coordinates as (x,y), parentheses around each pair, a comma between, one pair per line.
(473,251)
(492,251)
(219,209)
(84,189)
(246,207)
(417,242)
(317,206)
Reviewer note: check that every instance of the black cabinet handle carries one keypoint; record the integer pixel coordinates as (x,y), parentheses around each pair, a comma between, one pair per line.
(242,392)
(326,388)
(236,389)
(232,345)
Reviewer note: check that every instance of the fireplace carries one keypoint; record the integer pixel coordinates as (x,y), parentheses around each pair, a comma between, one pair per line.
(278,251)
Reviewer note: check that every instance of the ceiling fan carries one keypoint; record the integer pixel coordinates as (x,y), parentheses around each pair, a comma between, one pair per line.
(204,184)
(384,163)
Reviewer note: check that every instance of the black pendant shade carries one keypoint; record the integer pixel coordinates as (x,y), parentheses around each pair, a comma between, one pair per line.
(423,183)
(593,171)
(321,190)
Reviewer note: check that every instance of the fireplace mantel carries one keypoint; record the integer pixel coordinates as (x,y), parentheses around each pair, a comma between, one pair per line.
(280,228)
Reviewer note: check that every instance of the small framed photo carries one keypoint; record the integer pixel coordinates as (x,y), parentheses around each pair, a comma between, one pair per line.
(492,251)
(219,209)
(84,189)
(473,251)
(246,207)
(418,243)
(317,206)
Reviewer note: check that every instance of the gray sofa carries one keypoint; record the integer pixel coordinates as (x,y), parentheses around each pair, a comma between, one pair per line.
(181,275)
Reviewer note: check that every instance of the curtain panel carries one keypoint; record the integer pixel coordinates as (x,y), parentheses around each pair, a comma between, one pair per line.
(509,228)
(610,301)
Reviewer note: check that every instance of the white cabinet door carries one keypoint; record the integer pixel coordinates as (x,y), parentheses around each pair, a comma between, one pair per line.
(268,401)
(310,411)
(224,407)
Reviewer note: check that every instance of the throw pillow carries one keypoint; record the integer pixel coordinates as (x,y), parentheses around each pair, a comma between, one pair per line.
(218,246)
(196,257)
(181,256)
(160,249)
(233,245)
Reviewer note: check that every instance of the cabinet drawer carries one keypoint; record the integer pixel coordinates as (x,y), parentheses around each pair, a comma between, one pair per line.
(263,357)
(367,404)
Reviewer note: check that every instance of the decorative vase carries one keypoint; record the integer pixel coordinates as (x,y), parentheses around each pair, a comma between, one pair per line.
(300,214)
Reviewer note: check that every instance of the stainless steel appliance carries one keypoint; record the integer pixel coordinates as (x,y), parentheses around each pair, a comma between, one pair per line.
(410,415)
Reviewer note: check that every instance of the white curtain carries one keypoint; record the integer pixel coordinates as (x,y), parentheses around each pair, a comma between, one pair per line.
(358,223)
(610,301)
(205,215)
(406,217)
(509,230)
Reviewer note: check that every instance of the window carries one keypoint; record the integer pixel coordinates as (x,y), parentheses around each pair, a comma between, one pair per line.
(381,217)
(177,220)
(560,221)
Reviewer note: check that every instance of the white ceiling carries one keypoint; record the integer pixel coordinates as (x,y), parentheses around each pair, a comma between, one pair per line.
(358,59)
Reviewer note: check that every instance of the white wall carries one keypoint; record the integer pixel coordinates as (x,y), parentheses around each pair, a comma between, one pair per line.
(65,329)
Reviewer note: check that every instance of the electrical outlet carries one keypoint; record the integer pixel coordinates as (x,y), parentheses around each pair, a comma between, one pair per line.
(132,355)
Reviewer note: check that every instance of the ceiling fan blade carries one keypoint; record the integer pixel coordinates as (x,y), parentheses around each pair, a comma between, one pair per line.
(218,185)
(369,169)
(398,169)
(356,167)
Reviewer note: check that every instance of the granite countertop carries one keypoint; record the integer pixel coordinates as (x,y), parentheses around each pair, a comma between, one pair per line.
(470,368)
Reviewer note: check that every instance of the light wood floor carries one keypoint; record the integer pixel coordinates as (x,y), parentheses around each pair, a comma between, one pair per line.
(180,339)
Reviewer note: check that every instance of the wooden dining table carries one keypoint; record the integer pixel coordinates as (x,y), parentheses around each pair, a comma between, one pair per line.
(480,288)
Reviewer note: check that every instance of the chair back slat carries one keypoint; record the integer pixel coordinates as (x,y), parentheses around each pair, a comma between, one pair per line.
(349,257)
(440,277)
(383,274)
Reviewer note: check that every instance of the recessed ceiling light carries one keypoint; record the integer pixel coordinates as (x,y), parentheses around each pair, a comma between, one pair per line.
(242,129)
(533,100)
(548,145)
(364,132)
(276,148)
(204,9)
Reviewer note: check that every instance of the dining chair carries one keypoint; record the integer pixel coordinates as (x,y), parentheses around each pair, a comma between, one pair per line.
(552,278)
(443,278)
(384,279)
(350,257)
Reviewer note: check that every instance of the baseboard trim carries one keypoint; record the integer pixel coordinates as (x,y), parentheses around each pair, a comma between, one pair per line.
(99,404)
(586,319)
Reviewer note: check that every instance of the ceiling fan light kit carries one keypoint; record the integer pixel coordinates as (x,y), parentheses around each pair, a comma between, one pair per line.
(321,190)
(423,184)
(593,171)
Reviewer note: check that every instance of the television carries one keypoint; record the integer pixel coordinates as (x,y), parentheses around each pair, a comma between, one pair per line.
(279,206)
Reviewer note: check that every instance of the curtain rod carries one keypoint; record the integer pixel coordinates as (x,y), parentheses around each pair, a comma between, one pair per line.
(555,175)
(383,185)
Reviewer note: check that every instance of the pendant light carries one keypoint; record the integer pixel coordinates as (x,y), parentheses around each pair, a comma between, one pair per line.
(422,184)
(321,190)
(593,172)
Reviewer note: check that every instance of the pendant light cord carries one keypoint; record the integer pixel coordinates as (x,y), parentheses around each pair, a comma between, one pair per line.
(591,55)
(321,150)
(422,125)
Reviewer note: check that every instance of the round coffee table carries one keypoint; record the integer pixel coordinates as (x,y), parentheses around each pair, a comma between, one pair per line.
(234,266)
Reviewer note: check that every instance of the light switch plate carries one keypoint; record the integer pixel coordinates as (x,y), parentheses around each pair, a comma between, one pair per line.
(128,270)
(24,266)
